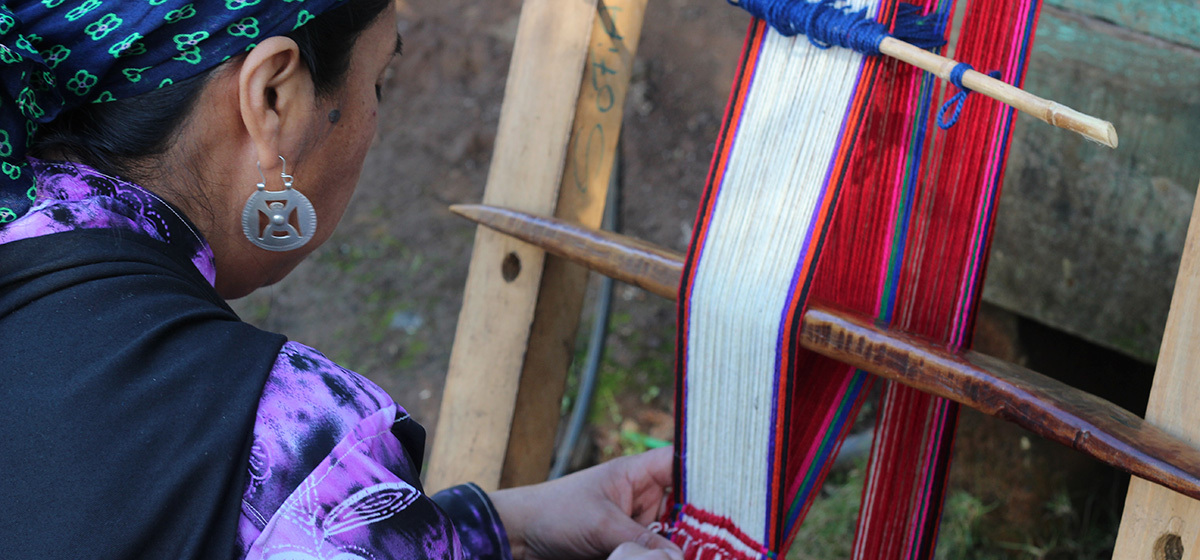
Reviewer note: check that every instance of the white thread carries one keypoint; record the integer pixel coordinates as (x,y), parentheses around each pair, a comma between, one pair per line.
(773,179)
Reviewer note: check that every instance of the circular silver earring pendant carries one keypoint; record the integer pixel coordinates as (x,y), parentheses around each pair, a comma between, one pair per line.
(279,220)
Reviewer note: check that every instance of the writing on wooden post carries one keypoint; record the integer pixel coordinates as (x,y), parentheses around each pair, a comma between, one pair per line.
(502,282)
(582,195)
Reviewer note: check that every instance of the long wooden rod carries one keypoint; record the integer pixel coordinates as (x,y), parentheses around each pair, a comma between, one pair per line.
(1046,407)
(1052,112)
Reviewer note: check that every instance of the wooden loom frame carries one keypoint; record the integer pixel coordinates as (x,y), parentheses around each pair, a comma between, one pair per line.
(553,156)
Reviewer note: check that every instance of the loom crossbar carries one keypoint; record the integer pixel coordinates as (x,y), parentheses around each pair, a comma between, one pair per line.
(1044,406)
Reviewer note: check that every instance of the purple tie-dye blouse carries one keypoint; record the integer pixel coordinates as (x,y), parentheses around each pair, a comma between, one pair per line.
(328,477)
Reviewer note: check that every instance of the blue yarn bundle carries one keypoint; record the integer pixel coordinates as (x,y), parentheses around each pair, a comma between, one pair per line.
(828,23)
(960,98)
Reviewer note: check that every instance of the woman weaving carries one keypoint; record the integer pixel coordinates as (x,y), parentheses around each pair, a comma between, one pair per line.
(159,157)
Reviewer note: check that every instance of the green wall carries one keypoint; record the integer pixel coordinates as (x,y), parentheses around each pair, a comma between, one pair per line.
(1088,239)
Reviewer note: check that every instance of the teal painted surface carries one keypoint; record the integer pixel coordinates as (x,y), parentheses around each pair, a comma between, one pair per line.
(1177,21)
(1150,91)
(1088,239)
(1097,46)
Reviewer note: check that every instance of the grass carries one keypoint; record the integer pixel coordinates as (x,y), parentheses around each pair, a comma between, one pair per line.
(960,535)
(636,376)
(826,531)
(1082,527)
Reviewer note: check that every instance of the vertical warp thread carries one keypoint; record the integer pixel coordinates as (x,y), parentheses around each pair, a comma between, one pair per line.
(735,334)
(921,268)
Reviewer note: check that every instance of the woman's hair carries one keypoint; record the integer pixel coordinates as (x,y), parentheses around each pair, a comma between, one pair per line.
(112,136)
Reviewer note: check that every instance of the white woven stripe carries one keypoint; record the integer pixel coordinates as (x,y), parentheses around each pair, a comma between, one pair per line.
(774,177)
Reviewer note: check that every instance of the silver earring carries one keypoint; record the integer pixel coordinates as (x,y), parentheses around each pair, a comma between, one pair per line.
(277,207)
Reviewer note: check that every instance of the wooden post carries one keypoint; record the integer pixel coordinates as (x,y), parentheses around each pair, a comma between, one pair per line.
(582,195)
(1159,524)
(503,279)
(554,150)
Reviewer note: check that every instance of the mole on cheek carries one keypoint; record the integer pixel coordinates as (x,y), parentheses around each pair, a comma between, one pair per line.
(335,115)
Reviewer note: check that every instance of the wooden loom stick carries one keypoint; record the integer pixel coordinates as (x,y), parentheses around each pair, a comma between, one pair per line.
(1028,399)
(619,257)
(1092,128)
(1158,523)
(482,383)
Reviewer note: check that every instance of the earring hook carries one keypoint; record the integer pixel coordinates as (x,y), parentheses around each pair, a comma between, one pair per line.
(283,174)
(262,184)
(287,179)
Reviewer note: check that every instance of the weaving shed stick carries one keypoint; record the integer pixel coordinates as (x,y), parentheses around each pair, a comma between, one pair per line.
(1033,401)
(1054,113)
(1158,523)
(1057,114)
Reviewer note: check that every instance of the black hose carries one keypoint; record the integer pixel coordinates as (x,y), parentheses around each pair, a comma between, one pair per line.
(595,352)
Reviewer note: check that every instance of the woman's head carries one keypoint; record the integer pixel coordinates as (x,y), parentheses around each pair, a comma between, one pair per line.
(277,111)
(308,95)
(114,136)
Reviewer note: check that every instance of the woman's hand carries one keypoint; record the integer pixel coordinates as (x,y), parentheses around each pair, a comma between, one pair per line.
(590,513)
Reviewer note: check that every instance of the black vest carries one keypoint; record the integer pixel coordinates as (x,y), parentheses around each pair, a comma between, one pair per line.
(128,392)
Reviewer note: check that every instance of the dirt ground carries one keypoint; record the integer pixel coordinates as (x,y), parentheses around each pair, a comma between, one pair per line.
(383,295)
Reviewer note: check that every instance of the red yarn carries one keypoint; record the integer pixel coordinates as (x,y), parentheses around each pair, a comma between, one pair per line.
(919,269)
(707,536)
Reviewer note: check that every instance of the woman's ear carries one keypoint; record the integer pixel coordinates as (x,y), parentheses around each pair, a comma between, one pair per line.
(276,96)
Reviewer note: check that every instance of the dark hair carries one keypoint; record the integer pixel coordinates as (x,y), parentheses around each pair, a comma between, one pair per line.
(111,136)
